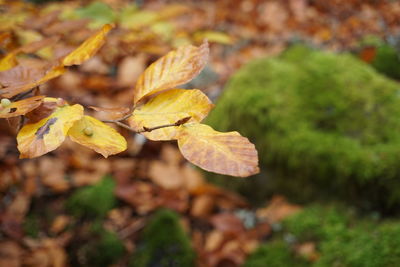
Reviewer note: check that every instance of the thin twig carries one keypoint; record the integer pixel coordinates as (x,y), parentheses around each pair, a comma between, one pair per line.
(148,129)
(177,123)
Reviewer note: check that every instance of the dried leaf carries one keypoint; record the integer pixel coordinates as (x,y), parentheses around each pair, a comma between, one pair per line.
(225,153)
(8,62)
(48,105)
(31,77)
(227,223)
(277,210)
(175,68)
(169,107)
(88,48)
(114,113)
(21,107)
(46,135)
(98,136)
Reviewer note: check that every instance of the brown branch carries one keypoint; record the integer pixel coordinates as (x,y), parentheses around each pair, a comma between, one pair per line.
(177,123)
(148,129)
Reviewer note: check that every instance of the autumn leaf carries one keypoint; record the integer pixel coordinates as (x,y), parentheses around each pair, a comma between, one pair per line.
(46,135)
(225,153)
(25,78)
(21,107)
(167,108)
(114,113)
(175,68)
(88,48)
(9,61)
(98,136)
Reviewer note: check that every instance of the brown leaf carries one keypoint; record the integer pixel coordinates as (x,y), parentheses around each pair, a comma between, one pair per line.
(11,254)
(35,46)
(21,79)
(277,210)
(166,175)
(227,223)
(175,68)
(112,113)
(130,69)
(202,206)
(225,153)
(21,107)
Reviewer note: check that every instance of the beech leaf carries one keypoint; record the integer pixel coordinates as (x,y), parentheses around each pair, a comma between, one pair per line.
(9,61)
(175,68)
(36,139)
(167,108)
(88,48)
(225,153)
(21,107)
(30,77)
(98,136)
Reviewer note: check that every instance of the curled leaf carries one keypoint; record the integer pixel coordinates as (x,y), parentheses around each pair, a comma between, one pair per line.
(98,136)
(175,68)
(21,107)
(88,48)
(225,153)
(36,139)
(167,108)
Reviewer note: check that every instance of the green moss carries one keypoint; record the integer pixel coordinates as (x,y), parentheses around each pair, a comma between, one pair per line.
(164,243)
(329,122)
(274,254)
(101,249)
(93,201)
(341,239)
(31,225)
(99,12)
(387,57)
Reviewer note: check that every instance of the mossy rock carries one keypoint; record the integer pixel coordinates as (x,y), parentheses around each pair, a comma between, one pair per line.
(93,201)
(164,243)
(326,123)
(341,238)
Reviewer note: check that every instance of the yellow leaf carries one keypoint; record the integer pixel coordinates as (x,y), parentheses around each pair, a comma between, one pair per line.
(98,136)
(8,62)
(46,135)
(88,48)
(29,83)
(176,68)
(225,153)
(213,37)
(169,107)
(21,107)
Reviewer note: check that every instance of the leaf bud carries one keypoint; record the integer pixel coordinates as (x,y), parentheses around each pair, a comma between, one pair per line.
(5,102)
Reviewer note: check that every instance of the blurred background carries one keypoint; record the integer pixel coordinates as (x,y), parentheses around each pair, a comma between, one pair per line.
(312,83)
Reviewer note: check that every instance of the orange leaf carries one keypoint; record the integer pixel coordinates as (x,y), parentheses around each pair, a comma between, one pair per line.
(21,107)
(225,153)
(88,48)
(175,68)
(167,108)
(36,139)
